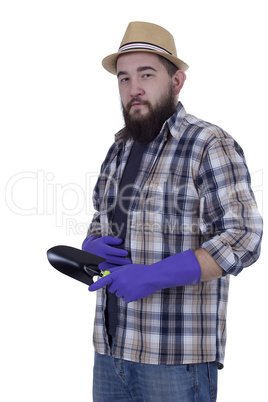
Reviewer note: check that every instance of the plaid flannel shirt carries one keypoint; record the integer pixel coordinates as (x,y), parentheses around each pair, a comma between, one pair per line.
(192,190)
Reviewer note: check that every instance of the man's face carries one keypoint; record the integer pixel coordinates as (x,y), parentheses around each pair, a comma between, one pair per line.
(147,95)
(143,81)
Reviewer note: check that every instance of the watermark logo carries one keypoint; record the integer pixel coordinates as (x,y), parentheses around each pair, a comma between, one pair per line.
(38,193)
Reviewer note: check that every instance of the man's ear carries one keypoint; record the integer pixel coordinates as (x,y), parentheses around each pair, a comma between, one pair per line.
(178,80)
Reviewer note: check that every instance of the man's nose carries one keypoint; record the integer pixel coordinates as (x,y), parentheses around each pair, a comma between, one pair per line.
(136,88)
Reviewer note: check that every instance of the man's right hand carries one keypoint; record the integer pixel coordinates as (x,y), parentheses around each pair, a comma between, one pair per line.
(106,247)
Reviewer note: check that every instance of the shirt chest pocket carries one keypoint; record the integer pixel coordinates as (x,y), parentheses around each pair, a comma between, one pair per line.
(170,197)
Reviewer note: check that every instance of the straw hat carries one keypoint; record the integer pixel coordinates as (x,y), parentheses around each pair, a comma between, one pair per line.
(145,37)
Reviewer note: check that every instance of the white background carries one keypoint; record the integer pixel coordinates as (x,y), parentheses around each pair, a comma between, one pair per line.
(59,112)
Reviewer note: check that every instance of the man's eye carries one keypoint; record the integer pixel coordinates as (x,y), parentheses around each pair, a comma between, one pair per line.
(124,80)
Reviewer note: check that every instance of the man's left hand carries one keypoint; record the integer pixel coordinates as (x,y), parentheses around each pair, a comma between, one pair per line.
(136,281)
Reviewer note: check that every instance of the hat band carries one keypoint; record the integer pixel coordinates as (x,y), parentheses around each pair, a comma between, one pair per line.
(142,45)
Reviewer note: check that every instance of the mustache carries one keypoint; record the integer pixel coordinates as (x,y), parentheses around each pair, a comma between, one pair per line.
(136,100)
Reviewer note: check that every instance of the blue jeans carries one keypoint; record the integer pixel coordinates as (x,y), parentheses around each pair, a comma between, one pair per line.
(120,380)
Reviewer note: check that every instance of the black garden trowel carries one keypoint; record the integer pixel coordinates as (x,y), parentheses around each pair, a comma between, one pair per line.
(76,263)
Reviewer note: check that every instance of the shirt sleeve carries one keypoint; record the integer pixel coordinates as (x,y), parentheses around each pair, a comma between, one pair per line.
(96,227)
(229,218)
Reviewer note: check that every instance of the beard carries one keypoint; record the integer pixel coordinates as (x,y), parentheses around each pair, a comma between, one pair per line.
(145,128)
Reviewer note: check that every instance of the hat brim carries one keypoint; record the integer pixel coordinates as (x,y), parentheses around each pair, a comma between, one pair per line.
(109,62)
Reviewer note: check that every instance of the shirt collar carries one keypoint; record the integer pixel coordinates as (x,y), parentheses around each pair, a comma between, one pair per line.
(176,120)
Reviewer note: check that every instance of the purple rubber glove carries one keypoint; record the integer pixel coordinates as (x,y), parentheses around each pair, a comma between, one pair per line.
(106,247)
(136,281)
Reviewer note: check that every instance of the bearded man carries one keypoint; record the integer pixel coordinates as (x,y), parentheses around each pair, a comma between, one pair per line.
(175,217)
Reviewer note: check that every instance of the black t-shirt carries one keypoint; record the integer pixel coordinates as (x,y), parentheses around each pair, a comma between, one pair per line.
(120,221)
